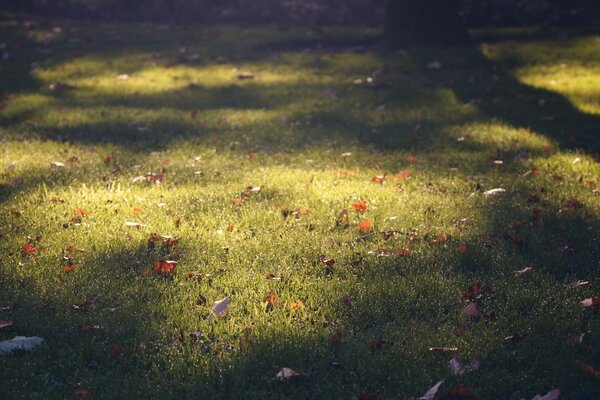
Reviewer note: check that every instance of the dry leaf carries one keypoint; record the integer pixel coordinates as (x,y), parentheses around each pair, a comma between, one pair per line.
(591,302)
(524,272)
(459,369)
(430,394)
(5,323)
(219,309)
(164,267)
(20,343)
(578,283)
(287,374)
(471,310)
(551,395)
(494,192)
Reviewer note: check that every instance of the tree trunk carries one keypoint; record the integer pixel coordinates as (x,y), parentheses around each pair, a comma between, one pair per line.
(412,23)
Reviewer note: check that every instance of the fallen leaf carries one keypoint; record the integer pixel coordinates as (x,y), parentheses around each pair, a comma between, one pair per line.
(296,306)
(273,277)
(134,224)
(327,261)
(81,393)
(5,323)
(471,310)
(68,268)
(360,207)
(115,351)
(378,179)
(164,267)
(525,271)
(578,283)
(494,192)
(459,369)
(551,395)
(365,226)
(443,349)
(583,367)
(396,251)
(288,374)
(463,248)
(343,218)
(458,392)
(20,343)
(219,309)
(29,249)
(591,302)
(402,175)
(430,394)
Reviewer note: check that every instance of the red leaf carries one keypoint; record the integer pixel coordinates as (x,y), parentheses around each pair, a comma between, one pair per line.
(359,206)
(327,261)
(29,249)
(463,249)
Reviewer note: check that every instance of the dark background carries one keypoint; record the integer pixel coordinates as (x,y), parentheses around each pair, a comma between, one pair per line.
(344,12)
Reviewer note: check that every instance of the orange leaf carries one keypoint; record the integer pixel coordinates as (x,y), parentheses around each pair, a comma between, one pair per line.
(164,267)
(68,268)
(296,306)
(402,175)
(365,226)
(463,249)
(359,206)
(378,179)
(80,211)
(29,249)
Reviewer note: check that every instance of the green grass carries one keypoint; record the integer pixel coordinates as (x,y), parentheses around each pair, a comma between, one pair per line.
(516,115)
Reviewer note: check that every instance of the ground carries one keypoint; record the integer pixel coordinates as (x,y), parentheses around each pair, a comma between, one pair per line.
(339,195)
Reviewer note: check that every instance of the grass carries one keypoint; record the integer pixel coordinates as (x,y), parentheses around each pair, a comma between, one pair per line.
(442,126)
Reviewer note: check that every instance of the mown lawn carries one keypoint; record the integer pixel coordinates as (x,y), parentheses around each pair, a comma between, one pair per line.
(334,192)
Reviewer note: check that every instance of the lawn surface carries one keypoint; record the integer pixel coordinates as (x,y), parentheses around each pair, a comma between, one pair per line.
(334,192)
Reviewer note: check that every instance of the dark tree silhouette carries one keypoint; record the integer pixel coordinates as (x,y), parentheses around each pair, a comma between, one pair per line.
(410,23)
